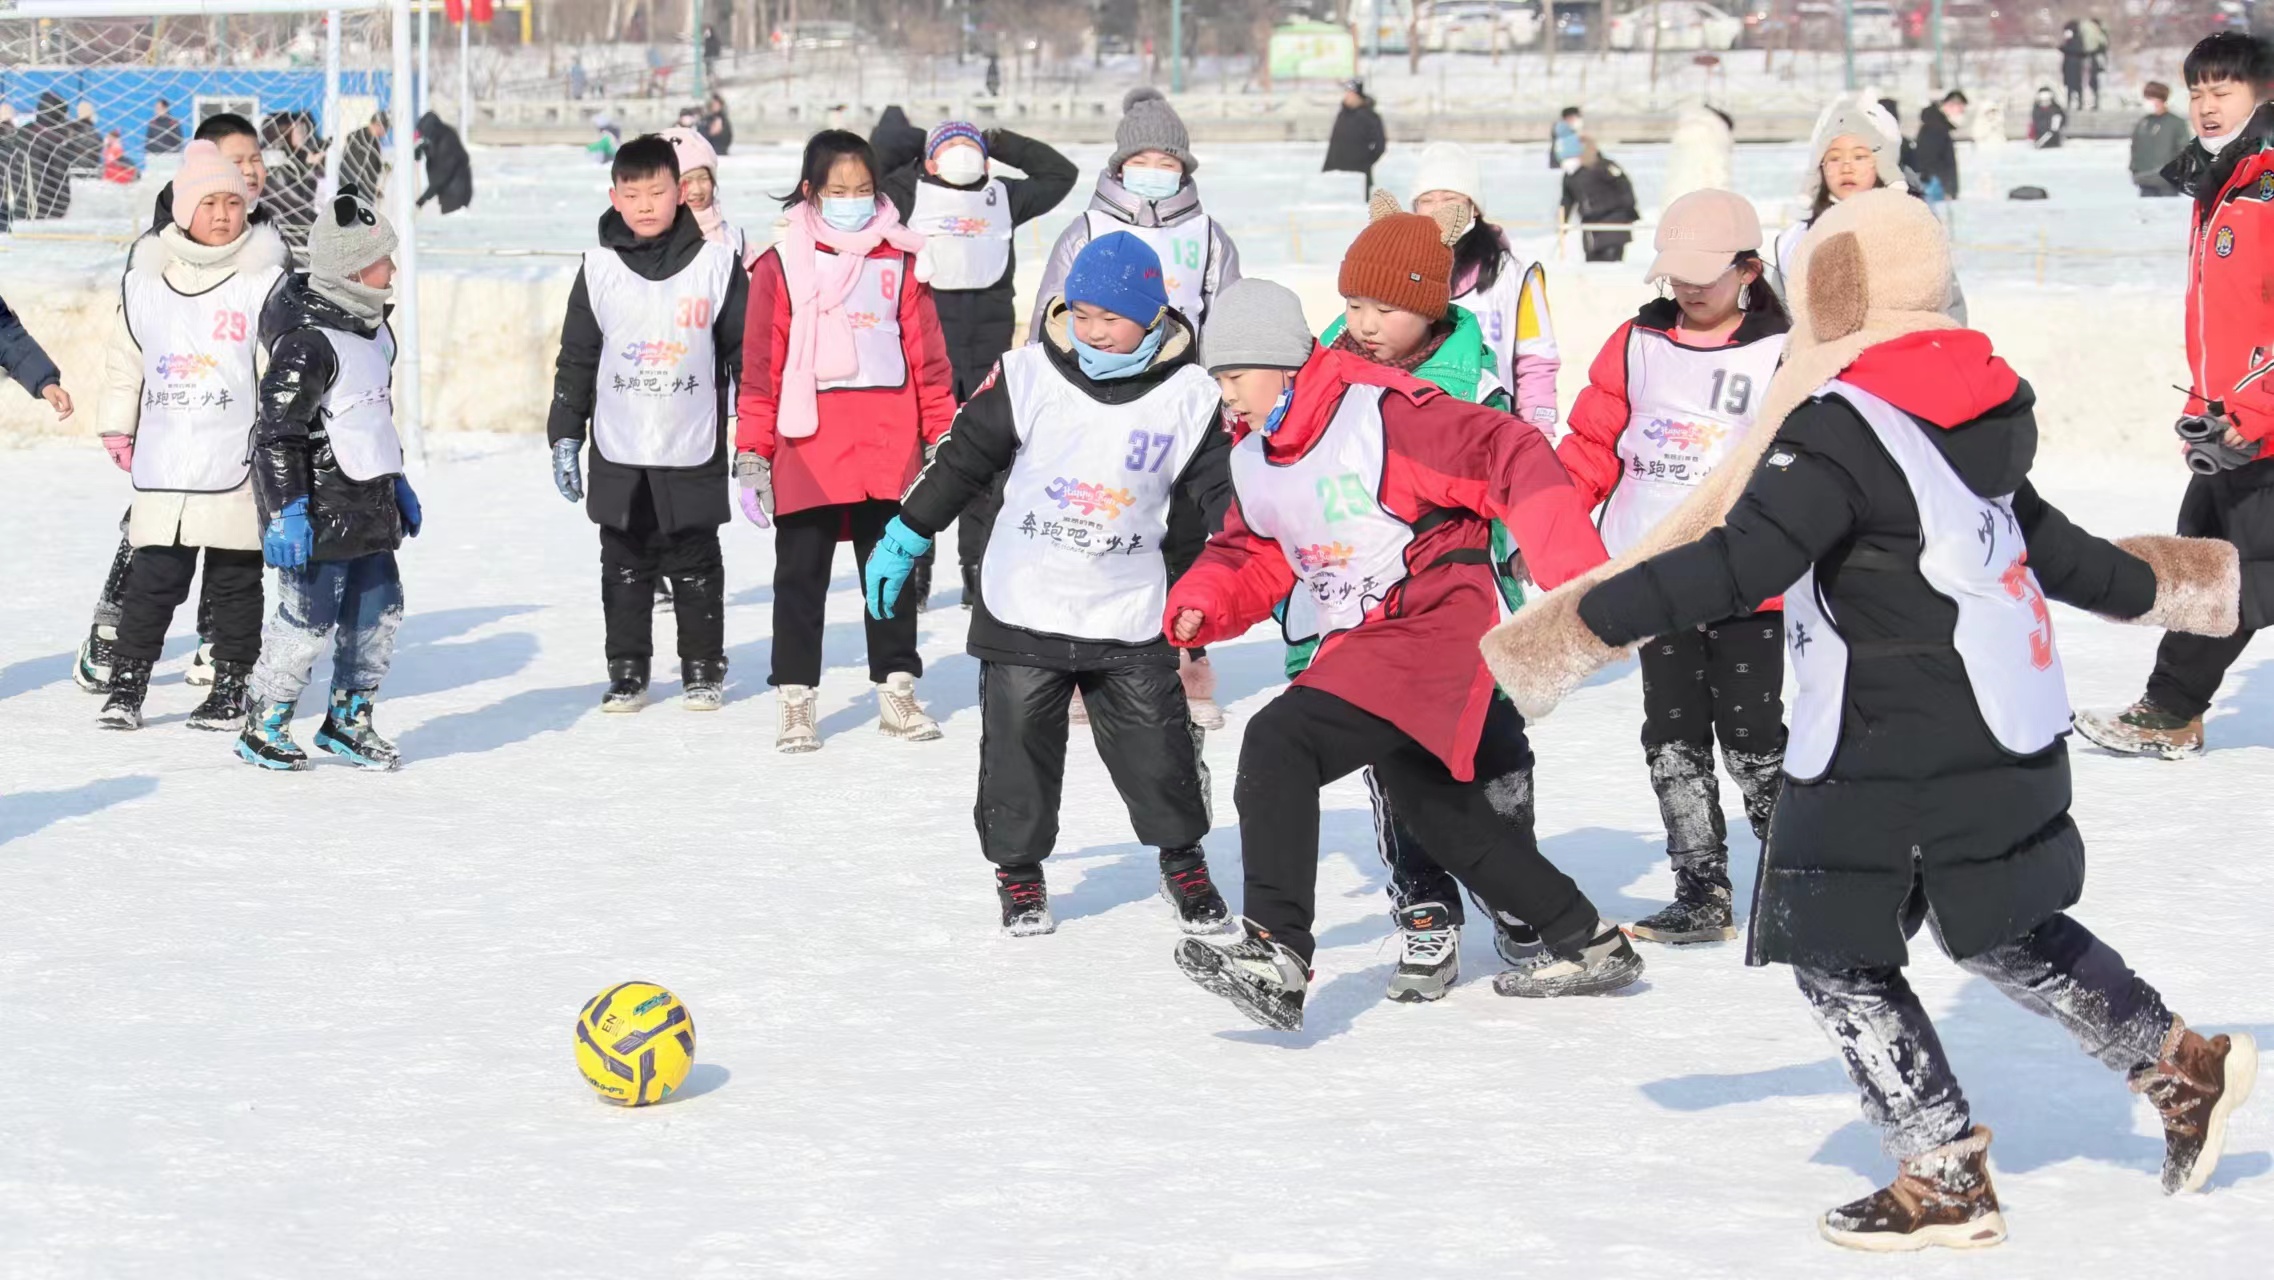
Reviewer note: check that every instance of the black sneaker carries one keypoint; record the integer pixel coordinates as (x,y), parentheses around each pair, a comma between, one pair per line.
(130,684)
(1603,963)
(1701,912)
(224,705)
(627,686)
(1259,975)
(1025,900)
(92,671)
(1186,886)
(1431,959)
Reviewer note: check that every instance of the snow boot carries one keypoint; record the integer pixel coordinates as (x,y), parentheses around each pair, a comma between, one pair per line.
(919,588)
(2143,729)
(627,686)
(1514,941)
(1585,967)
(1248,967)
(1200,691)
(794,733)
(267,739)
(224,705)
(130,684)
(2196,1085)
(92,671)
(664,600)
(348,734)
(702,683)
(1025,900)
(1430,962)
(899,715)
(1941,1198)
(1186,886)
(1702,911)
(201,668)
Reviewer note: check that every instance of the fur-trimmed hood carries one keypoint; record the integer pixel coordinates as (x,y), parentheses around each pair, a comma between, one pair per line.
(191,267)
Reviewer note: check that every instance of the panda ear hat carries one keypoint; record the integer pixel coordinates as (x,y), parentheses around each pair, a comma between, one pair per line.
(354,236)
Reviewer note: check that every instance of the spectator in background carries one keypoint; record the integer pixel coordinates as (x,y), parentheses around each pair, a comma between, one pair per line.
(2096,55)
(2073,59)
(2046,120)
(711,50)
(1595,193)
(360,160)
(1934,155)
(115,167)
(578,81)
(1564,142)
(2157,140)
(611,137)
(658,72)
(292,178)
(449,171)
(994,76)
(86,146)
(47,160)
(714,125)
(14,203)
(163,135)
(1358,141)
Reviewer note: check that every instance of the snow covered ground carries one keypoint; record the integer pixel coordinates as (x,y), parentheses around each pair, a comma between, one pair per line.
(319,1025)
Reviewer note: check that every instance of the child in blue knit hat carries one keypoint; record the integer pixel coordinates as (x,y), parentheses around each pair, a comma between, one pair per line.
(1107,440)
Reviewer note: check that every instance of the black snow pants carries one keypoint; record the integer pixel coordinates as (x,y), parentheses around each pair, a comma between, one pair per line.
(1722,680)
(632,558)
(112,601)
(2237,506)
(1480,830)
(2059,970)
(805,549)
(1138,720)
(158,582)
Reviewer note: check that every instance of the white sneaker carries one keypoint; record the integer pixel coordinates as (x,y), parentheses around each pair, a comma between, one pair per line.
(796,733)
(200,667)
(898,713)
(1200,692)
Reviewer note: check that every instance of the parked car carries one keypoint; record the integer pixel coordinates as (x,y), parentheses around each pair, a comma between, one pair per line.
(1676,24)
(1571,26)
(1876,25)
(1479,26)
(805,36)
(1966,24)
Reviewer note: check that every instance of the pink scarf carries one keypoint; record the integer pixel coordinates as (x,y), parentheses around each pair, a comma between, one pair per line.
(821,334)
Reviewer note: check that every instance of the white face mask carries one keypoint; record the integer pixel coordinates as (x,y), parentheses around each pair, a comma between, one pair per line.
(1151,184)
(2215,145)
(962,166)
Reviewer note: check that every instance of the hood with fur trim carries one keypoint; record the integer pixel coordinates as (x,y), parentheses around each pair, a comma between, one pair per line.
(190,266)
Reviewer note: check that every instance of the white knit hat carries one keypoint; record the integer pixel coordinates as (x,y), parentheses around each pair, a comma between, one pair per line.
(1449,166)
(1857,115)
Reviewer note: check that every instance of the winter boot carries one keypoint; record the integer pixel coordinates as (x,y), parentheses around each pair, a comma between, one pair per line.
(1941,1198)
(919,588)
(794,733)
(2196,1085)
(1514,941)
(1186,886)
(1702,911)
(348,733)
(1585,967)
(130,684)
(627,686)
(224,705)
(1200,692)
(2143,729)
(1760,778)
(1077,713)
(1025,900)
(1431,961)
(267,739)
(92,671)
(1250,968)
(200,673)
(664,600)
(702,683)
(898,713)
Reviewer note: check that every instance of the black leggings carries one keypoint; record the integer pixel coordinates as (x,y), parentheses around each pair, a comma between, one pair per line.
(805,548)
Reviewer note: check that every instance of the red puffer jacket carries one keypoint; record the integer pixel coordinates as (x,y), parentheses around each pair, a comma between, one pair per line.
(871,440)
(2230,306)
(1413,660)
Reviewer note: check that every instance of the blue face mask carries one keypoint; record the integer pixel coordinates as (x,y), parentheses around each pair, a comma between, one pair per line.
(1105,366)
(1152,184)
(1278,412)
(848,213)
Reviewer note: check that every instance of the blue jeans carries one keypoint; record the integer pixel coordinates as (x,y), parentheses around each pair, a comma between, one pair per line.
(356,603)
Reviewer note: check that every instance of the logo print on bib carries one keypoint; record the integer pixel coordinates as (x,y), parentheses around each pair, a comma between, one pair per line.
(1090,497)
(1080,530)
(2021,584)
(2224,246)
(186,368)
(966,227)
(1689,437)
(654,355)
(1324,556)
(861,320)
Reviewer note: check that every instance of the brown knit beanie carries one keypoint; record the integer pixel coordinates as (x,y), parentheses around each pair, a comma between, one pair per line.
(1403,259)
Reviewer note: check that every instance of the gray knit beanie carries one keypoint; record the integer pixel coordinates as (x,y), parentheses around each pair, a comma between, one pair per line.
(1149,123)
(1255,324)
(347,237)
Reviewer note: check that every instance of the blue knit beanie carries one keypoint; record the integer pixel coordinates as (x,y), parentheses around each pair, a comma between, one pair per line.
(1121,273)
(948,131)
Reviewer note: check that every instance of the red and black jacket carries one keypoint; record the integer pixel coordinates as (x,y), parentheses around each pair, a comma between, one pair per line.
(2230,308)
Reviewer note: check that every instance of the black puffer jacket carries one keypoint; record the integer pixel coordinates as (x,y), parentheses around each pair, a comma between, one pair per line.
(984,445)
(449,171)
(292,451)
(1921,813)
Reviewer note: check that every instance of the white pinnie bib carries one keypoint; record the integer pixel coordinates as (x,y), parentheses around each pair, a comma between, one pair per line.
(1183,251)
(359,409)
(195,433)
(969,232)
(1496,310)
(874,309)
(1972,552)
(1077,549)
(1687,406)
(656,398)
(1324,510)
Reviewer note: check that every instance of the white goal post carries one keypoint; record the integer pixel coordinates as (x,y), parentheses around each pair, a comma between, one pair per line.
(401,118)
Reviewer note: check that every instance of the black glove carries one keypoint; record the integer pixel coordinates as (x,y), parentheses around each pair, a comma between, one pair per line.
(2208,452)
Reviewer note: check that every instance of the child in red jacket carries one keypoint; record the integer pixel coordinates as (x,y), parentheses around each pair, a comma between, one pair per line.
(1671,392)
(1365,500)
(845,388)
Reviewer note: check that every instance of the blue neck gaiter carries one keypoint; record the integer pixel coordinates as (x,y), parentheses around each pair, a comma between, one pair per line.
(1105,366)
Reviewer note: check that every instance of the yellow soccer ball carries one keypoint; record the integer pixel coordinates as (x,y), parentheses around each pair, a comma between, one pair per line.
(634,1044)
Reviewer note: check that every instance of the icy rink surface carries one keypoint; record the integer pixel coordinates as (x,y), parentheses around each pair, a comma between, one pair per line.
(319,1025)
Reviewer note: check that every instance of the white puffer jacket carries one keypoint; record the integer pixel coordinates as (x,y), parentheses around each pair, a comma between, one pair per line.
(229,521)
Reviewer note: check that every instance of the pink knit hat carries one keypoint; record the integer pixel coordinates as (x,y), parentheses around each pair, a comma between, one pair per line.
(694,151)
(203,173)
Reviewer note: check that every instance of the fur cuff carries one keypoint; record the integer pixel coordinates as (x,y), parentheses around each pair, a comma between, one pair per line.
(1545,651)
(2198,584)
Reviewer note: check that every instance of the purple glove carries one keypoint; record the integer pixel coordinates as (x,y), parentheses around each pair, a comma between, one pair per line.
(754,508)
(756,477)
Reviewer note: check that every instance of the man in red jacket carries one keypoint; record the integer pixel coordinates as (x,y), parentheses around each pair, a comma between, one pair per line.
(2229,170)
(1364,501)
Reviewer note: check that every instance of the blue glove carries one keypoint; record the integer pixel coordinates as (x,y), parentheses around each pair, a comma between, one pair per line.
(289,541)
(568,469)
(890,563)
(406,501)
